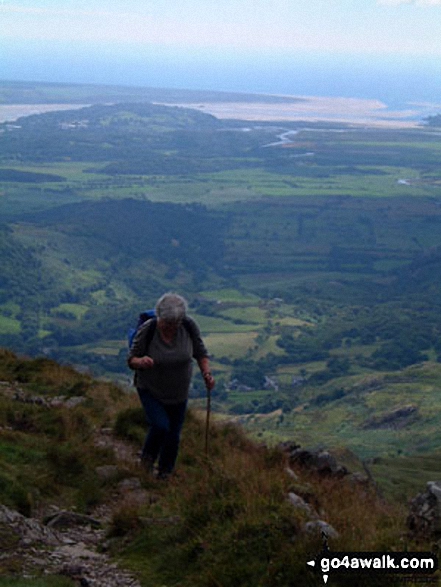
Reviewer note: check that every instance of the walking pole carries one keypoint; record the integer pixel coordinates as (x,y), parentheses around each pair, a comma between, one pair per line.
(207,422)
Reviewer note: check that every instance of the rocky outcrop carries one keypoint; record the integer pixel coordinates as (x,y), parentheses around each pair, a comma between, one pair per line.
(63,542)
(23,532)
(424,519)
(394,420)
(66,519)
(319,461)
(12,391)
(321,528)
(300,504)
(324,464)
(314,525)
(68,544)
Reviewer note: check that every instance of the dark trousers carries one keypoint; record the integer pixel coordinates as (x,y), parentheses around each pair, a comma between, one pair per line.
(165,425)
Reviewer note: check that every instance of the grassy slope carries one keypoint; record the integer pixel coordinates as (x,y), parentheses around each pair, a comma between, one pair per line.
(358,419)
(243,324)
(232,523)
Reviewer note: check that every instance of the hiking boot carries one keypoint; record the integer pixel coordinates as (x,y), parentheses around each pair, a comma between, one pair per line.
(147,464)
(163,475)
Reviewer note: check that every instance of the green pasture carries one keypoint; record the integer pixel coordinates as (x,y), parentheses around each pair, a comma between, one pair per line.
(69,259)
(250,314)
(269,345)
(319,162)
(290,321)
(71,171)
(233,345)
(258,183)
(230,295)
(19,199)
(285,373)
(403,477)
(83,182)
(357,419)
(43,332)
(10,308)
(202,188)
(77,310)
(104,347)
(9,318)
(430,145)
(212,325)
(100,296)
(237,397)
(9,325)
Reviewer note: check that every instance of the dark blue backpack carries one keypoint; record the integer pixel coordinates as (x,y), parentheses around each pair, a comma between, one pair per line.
(143,317)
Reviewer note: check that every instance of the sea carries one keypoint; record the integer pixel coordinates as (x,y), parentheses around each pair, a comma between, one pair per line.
(396,80)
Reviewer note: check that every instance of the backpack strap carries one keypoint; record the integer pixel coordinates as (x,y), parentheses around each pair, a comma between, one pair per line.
(186,323)
(150,332)
(150,328)
(143,343)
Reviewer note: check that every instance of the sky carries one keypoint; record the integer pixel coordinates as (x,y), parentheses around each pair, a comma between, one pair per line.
(242,45)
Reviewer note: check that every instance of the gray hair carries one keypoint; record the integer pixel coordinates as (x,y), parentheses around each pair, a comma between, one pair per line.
(171,307)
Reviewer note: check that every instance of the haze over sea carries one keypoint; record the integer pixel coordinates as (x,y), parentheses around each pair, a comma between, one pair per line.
(395,80)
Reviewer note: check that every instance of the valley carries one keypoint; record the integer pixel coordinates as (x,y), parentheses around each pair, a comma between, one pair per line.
(312,268)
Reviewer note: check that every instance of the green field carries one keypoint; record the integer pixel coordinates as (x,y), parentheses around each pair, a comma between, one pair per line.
(313,268)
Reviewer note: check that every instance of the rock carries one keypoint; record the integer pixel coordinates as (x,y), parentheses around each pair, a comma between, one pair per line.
(62,401)
(300,504)
(270,383)
(66,519)
(107,472)
(320,462)
(77,551)
(435,488)
(393,420)
(75,401)
(28,530)
(75,573)
(314,525)
(320,528)
(424,519)
(291,474)
(132,484)
(288,447)
(297,381)
(41,549)
(18,395)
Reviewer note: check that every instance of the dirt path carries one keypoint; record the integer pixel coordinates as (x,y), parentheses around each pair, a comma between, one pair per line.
(55,541)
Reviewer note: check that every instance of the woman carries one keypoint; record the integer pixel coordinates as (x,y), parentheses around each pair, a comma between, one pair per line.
(161,355)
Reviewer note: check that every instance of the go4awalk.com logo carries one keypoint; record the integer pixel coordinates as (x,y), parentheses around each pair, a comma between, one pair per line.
(357,563)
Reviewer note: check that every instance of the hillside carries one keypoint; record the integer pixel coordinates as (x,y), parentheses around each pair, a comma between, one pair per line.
(74,278)
(309,253)
(238,515)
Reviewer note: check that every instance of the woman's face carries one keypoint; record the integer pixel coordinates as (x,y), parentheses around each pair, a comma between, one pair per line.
(168,328)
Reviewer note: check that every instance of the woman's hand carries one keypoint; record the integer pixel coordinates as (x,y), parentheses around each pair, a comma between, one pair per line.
(204,366)
(145,362)
(208,380)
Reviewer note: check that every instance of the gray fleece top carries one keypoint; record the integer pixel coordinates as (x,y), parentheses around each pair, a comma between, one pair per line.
(169,379)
